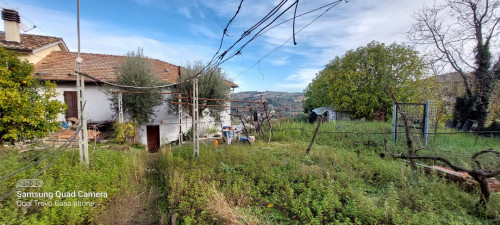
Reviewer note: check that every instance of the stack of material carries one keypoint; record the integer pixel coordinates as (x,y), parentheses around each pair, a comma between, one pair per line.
(64,135)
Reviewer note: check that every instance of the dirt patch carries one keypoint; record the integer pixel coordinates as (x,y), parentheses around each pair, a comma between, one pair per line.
(137,203)
(220,208)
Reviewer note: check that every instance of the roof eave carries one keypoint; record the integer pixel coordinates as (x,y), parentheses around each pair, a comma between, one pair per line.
(51,45)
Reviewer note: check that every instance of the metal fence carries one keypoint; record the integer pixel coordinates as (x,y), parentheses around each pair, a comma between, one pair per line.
(421,118)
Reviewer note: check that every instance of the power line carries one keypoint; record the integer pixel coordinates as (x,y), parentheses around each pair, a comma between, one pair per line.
(215,62)
(250,30)
(40,160)
(138,87)
(331,5)
(224,33)
(303,14)
(237,52)
(43,169)
(220,59)
(34,25)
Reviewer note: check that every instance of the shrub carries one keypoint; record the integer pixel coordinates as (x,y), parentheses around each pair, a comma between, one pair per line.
(27,107)
(125,132)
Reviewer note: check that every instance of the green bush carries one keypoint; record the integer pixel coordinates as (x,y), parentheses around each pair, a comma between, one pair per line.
(27,106)
(125,132)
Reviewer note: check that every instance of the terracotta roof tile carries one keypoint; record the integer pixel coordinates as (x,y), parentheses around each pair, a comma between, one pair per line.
(231,84)
(29,42)
(58,65)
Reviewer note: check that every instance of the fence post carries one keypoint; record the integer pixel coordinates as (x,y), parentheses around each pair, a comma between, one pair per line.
(426,121)
(394,121)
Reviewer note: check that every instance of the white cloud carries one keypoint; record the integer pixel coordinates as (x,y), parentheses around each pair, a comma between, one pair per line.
(99,37)
(203,31)
(185,12)
(347,26)
(300,79)
(280,61)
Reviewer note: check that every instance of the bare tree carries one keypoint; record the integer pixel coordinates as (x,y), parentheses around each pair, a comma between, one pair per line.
(460,34)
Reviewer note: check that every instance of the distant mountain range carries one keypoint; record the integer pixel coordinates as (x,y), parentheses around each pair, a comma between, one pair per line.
(279,102)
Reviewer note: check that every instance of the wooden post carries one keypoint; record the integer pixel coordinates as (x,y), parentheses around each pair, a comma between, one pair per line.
(264,103)
(409,135)
(315,134)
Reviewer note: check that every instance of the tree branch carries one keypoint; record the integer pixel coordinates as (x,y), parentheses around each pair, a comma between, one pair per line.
(453,166)
(477,154)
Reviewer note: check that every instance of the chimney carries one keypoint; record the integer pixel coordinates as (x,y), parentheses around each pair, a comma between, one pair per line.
(11,20)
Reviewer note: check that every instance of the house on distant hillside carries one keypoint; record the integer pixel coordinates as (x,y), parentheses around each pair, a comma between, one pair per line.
(54,62)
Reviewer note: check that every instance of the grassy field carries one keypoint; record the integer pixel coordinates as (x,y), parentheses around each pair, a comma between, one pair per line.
(115,169)
(343,181)
(458,148)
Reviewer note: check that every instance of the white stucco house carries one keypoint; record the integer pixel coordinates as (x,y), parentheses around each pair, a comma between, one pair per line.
(54,62)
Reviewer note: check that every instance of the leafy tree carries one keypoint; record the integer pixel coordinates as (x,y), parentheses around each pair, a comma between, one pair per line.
(357,82)
(137,70)
(462,41)
(212,83)
(27,107)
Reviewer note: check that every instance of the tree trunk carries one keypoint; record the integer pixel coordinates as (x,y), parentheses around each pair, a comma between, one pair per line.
(485,189)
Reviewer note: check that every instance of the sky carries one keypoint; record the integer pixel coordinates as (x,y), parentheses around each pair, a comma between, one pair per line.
(183,31)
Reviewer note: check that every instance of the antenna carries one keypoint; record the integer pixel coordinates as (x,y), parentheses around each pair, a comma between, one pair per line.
(25,28)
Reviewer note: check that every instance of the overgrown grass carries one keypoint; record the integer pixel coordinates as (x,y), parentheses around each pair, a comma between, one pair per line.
(458,148)
(342,181)
(112,169)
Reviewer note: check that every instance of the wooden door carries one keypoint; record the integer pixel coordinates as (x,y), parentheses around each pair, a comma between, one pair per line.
(71,101)
(153,133)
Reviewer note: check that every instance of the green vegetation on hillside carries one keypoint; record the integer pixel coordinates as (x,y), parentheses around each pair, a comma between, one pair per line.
(279,102)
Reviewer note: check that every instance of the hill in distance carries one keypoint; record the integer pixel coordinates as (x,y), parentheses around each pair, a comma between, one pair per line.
(279,103)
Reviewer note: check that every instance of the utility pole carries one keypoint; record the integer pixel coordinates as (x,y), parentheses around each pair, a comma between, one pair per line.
(290,107)
(83,145)
(196,133)
(120,108)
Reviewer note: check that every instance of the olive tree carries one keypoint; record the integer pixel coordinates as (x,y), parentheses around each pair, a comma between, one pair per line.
(212,84)
(137,70)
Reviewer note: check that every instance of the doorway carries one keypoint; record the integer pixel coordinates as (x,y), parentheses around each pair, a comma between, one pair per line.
(71,101)
(153,134)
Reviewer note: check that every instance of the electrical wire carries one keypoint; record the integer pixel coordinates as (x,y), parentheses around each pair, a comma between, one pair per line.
(224,33)
(34,25)
(40,160)
(330,6)
(43,169)
(220,59)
